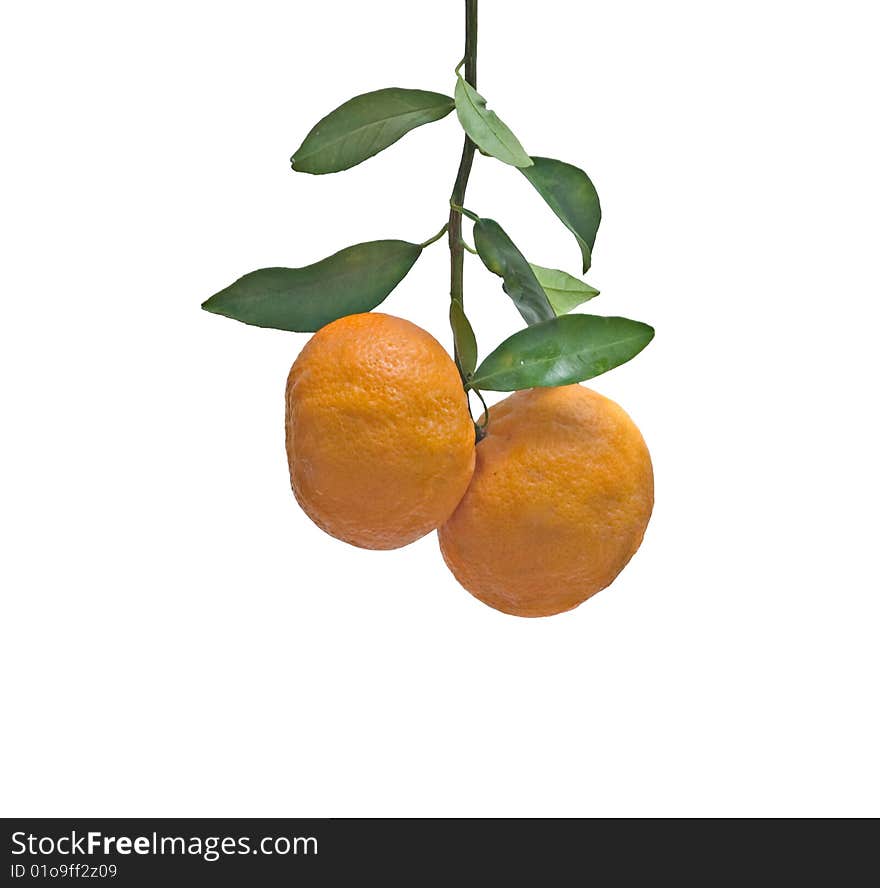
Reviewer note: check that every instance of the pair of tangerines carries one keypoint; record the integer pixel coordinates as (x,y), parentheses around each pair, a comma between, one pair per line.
(538,516)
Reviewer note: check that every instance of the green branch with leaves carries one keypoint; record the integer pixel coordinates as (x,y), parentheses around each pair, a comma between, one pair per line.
(555,348)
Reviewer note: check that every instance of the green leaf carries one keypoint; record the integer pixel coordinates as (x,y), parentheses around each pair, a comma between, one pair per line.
(364,126)
(572,196)
(486,130)
(558,352)
(501,256)
(564,290)
(353,280)
(465,341)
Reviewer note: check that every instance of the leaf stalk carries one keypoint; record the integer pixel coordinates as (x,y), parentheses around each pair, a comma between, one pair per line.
(464,211)
(436,237)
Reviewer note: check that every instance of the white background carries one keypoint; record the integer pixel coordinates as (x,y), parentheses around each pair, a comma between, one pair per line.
(179,639)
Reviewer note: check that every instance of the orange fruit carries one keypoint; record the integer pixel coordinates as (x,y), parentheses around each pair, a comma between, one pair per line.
(380,443)
(559,502)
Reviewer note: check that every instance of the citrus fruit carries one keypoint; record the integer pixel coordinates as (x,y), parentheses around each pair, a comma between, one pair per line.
(380,443)
(560,499)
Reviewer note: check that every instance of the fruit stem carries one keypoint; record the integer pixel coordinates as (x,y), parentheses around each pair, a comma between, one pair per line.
(456,244)
(480,429)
